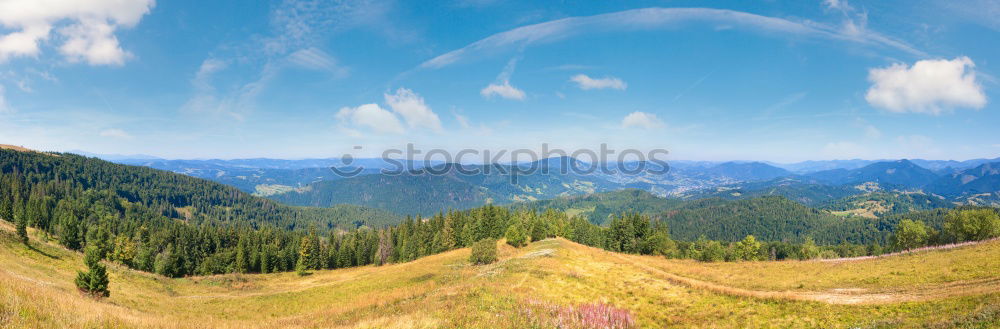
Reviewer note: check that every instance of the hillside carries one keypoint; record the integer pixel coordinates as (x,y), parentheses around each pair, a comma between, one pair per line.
(880,203)
(406,194)
(803,191)
(160,221)
(769,218)
(982,179)
(747,171)
(598,207)
(548,282)
(902,172)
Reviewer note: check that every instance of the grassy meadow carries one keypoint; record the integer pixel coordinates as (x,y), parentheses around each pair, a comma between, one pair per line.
(549,283)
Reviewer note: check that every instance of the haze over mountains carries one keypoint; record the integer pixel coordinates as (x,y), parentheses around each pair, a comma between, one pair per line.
(311,182)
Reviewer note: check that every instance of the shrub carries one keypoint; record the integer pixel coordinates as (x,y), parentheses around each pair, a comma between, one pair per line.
(516,236)
(808,249)
(659,244)
(484,252)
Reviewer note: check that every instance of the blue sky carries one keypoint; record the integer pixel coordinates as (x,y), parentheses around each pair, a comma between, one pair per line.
(707,80)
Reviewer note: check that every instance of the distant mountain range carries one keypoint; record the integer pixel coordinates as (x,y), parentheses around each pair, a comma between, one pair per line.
(835,184)
(901,172)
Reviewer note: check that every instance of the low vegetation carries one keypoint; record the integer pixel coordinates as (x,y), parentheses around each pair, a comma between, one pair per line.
(483,252)
(549,283)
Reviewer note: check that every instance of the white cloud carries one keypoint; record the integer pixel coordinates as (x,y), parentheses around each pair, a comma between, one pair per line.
(929,86)
(88,27)
(586,83)
(372,117)
(412,108)
(502,89)
(502,86)
(115,133)
(642,120)
(653,19)
(837,5)
(404,103)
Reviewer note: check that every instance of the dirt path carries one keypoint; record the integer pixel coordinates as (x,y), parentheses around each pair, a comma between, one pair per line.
(842,296)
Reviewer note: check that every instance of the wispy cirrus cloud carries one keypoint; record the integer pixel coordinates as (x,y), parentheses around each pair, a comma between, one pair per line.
(297,29)
(502,87)
(587,83)
(316,59)
(657,18)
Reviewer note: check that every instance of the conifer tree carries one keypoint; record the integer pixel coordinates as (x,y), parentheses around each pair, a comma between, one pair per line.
(94,282)
(242,263)
(384,253)
(305,248)
(515,236)
(22,229)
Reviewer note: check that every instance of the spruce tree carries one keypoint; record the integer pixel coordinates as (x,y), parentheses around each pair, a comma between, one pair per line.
(94,282)
(22,229)
(305,248)
(242,259)
(515,236)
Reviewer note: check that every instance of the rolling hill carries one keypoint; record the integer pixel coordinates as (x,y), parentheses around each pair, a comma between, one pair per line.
(160,221)
(769,218)
(546,284)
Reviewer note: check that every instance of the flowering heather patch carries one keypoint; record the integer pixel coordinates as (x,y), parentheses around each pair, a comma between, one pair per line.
(591,315)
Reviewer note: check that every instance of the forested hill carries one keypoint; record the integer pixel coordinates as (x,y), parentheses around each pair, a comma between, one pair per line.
(770,218)
(196,201)
(405,194)
(167,222)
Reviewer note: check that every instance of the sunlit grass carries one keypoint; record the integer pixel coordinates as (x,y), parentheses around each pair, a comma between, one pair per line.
(530,287)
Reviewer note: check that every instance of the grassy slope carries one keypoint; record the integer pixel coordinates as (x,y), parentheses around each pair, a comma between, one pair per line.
(36,291)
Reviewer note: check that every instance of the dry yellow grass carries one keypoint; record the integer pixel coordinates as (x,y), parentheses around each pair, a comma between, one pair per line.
(36,291)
